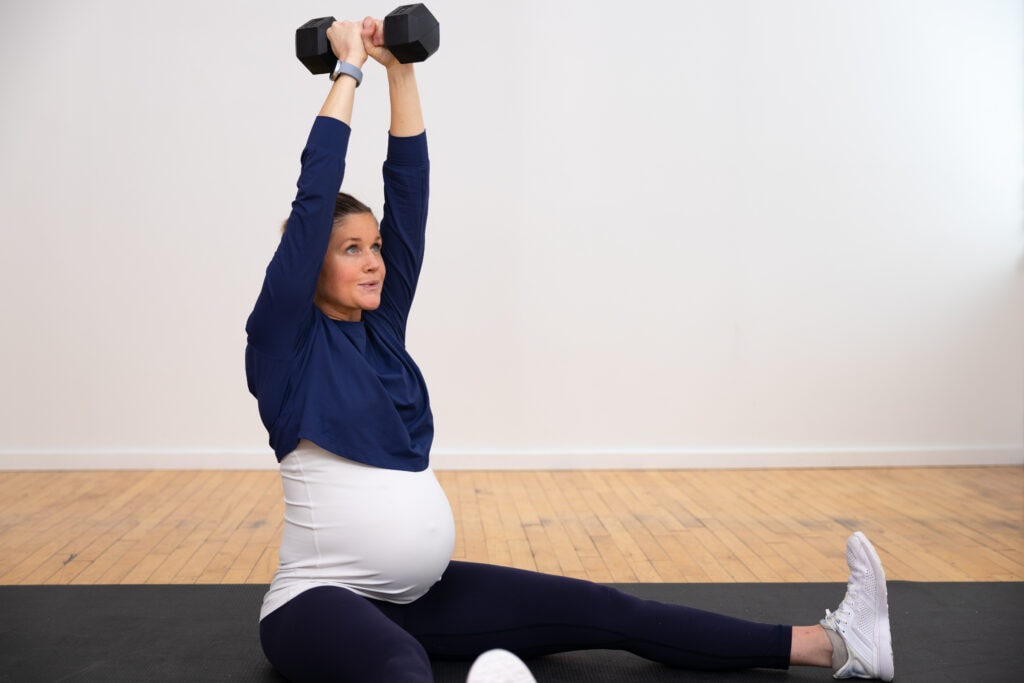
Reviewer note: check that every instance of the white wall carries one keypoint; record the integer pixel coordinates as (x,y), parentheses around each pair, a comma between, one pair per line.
(662,234)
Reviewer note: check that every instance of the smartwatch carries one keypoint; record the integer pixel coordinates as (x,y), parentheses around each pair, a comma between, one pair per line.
(346,69)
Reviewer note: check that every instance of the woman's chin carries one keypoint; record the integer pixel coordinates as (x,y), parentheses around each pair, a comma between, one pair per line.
(370,305)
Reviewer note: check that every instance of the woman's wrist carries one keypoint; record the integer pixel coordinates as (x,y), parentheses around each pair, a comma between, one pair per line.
(399,73)
(356,60)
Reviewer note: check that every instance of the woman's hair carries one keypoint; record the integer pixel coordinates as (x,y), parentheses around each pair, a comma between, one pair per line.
(344,206)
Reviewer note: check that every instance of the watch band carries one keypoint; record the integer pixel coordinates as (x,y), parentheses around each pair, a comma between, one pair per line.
(346,69)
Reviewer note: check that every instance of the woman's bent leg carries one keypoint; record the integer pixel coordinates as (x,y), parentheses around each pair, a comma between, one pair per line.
(330,633)
(477,607)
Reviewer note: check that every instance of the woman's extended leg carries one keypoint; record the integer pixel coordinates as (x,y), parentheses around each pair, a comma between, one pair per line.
(478,607)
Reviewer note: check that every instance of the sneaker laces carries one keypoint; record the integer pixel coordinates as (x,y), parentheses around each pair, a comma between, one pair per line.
(843,616)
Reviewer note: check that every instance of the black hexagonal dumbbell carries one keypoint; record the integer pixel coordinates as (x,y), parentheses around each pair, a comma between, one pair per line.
(411,33)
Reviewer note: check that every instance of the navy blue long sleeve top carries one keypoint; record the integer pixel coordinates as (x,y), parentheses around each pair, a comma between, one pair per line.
(350,387)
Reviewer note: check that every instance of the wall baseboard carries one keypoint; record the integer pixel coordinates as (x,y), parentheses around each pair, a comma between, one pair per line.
(214,459)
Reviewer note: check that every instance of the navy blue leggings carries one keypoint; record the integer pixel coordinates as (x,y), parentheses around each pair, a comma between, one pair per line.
(330,633)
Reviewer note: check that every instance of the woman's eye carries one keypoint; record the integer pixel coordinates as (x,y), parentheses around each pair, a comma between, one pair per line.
(376,248)
(353,249)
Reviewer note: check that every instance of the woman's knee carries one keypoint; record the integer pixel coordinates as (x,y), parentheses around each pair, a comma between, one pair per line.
(329,633)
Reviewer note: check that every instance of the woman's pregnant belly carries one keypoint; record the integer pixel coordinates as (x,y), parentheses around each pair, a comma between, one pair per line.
(383,534)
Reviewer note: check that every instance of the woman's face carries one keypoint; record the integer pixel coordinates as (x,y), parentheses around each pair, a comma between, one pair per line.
(353,271)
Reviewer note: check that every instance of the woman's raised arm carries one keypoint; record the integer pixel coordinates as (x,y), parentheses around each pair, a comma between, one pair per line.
(406,114)
(347,43)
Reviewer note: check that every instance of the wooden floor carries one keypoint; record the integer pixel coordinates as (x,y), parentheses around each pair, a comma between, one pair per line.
(942,524)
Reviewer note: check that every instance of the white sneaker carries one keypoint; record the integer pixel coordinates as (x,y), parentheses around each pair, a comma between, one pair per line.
(499,666)
(862,618)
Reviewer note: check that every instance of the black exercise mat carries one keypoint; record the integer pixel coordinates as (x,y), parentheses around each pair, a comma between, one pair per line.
(941,631)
